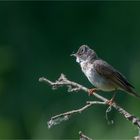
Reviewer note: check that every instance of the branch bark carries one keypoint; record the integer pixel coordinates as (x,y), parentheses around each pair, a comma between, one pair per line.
(83,136)
(137,138)
(73,86)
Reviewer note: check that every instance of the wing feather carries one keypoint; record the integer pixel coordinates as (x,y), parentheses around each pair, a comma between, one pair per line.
(106,70)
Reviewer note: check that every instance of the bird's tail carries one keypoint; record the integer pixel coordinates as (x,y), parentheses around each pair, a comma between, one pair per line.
(133,93)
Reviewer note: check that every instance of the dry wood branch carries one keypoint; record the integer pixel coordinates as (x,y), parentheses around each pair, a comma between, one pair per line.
(83,136)
(137,138)
(73,86)
(65,116)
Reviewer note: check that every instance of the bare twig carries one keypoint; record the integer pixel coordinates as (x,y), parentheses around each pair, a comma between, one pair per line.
(65,116)
(72,86)
(137,138)
(83,136)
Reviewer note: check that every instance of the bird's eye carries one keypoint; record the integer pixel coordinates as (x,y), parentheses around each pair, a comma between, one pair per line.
(82,50)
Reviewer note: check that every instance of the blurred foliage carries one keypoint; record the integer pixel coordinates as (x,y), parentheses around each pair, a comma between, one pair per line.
(37,38)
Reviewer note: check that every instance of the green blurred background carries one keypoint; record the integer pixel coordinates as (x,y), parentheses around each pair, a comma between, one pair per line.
(37,38)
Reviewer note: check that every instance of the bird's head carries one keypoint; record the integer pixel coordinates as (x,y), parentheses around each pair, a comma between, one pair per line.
(84,53)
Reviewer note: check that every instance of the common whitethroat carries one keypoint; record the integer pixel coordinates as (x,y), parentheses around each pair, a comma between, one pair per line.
(101,74)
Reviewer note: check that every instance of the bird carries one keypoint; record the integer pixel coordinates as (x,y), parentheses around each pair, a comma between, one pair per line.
(101,74)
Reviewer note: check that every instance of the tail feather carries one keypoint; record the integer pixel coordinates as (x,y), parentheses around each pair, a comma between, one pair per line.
(133,93)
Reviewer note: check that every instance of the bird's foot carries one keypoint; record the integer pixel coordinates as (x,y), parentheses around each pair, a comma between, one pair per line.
(110,102)
(91,91)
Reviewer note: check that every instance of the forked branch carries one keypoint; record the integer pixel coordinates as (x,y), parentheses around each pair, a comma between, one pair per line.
(73,86)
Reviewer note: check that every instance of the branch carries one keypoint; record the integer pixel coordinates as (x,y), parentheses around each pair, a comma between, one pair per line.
(83,136)
(73,86)
(137,138)
(65,116)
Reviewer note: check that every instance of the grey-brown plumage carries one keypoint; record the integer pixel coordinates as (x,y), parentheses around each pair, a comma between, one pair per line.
(102,75)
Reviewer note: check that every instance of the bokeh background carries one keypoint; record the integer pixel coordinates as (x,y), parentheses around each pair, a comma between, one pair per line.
(37,38)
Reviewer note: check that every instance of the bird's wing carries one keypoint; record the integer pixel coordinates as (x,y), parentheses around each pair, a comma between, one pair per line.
(107,71)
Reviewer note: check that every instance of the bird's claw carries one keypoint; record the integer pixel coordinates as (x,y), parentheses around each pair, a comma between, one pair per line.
(110,102)
(91,91)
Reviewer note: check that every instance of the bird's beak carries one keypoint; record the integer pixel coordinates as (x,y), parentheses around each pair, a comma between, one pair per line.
(73,54)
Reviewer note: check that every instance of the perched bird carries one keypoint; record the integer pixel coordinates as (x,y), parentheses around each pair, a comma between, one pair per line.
(101,74)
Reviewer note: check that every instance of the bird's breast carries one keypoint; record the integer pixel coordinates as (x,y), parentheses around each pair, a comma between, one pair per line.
(97,80)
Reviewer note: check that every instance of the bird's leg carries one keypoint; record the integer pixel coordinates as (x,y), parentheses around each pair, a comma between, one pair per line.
(111,101)
(91,91)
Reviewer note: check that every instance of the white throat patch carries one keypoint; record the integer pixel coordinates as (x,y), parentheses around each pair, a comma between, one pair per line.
(78,60)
